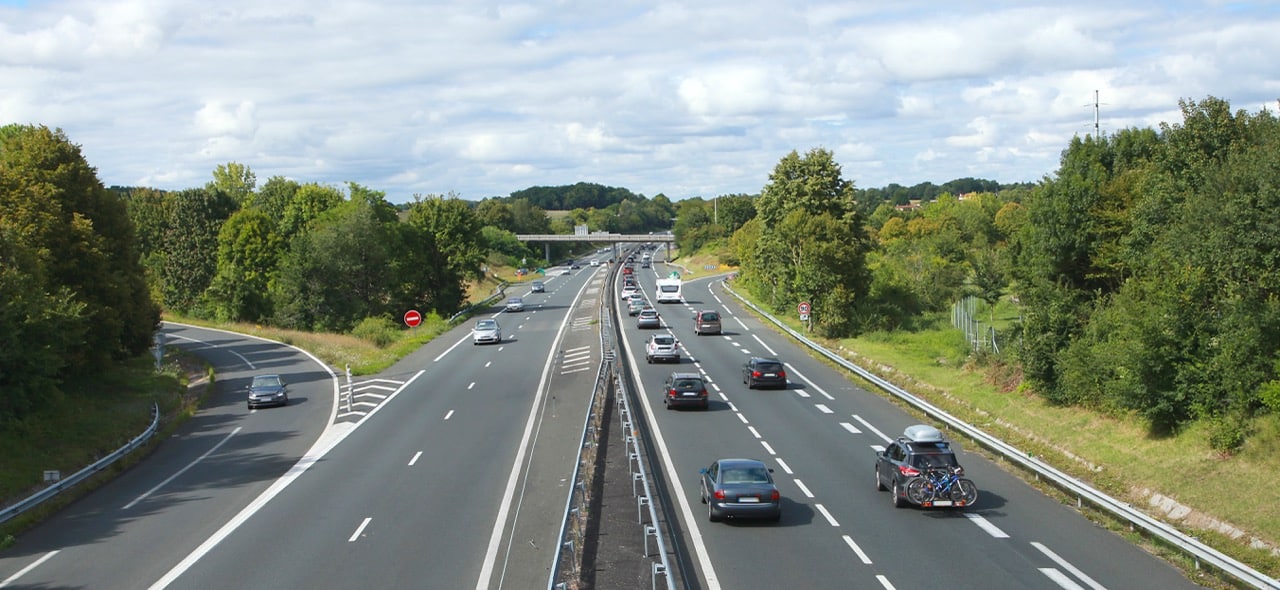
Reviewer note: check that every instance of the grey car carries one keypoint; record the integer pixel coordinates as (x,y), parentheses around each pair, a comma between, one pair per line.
(487,331)
(706,322)
(740,488)
(268,390)
(537,287)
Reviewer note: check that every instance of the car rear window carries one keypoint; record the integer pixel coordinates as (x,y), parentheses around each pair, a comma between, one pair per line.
(688,384)
(928,460)
(664,340)
(769,367)
(710,316)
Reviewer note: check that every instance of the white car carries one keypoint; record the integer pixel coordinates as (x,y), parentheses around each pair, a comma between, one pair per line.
(515,304)
(595,262)
(662,347)
(629,291)
(486,331)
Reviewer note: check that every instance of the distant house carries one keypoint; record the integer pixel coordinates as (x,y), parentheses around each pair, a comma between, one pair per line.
(911,205)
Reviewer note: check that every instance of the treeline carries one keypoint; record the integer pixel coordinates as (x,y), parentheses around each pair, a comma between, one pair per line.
(72,292)
(1145,270)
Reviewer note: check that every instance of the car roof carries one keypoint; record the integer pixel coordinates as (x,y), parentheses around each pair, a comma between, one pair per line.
(738,462)
(764,359)
(922,433)
(679,375)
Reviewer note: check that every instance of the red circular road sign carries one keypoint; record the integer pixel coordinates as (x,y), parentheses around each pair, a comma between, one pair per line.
(803,308)
(412,318)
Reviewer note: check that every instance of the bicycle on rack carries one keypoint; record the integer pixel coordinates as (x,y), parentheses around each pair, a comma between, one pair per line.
(942,487)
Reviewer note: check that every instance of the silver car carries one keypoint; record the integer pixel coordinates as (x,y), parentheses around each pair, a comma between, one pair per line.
(662,347)
(515,304)
(740,488)
(648,318)
(487,331)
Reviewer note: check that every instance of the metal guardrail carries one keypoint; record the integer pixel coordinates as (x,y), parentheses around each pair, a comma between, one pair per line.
(79,476)
(490,300)
(573,523)
(1152,526)
(644,499)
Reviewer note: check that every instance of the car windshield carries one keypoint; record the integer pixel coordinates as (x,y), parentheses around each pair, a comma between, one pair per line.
(514,300)
(266,381)
(745,475)
(486,325)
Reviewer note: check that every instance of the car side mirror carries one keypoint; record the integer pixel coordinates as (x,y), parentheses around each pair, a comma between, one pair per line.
(702,471)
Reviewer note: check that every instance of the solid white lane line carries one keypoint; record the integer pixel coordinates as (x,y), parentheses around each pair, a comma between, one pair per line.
(807,382)
(856,549)
(851,428)
(986,525)
(1067,566)
(868,426)
(359,529)
(783,465)
(183,470)
(415,458)
(448,415)
(1060,578)
(766,346)
(754,432)
(743,418)
(768,448)
(827,515)
(823,409)
(803,489)
(25,570)
(740,323)
(884,581)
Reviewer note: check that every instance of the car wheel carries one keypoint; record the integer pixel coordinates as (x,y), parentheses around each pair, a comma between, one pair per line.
(898,502)
(712,515)
(777,517)
(750,383)
(649,359)
(879,482)
(706,405)
(286,401)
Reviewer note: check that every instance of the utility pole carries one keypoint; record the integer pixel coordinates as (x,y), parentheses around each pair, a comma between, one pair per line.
(1096,131)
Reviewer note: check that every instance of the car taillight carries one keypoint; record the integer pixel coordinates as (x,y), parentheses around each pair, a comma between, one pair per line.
(782,374)
(703,393)
(719,494)
(775,496)
(908,471)
(756,373)
(672,393)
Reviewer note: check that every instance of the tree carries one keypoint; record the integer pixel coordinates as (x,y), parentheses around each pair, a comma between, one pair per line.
(456,231)
(236,180)
(191,246)
(248,252)
(53,205)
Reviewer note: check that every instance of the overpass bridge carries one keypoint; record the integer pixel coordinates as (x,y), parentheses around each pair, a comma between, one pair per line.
(667,240)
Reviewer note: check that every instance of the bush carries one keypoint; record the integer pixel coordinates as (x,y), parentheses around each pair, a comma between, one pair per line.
(381,331)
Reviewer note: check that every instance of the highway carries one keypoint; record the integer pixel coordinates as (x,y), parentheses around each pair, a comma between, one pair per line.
(820,436)
(450,469)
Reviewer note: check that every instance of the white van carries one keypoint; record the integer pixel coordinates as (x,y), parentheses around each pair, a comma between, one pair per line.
(669,291)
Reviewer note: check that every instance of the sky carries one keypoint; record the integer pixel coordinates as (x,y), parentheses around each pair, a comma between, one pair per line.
(479,99)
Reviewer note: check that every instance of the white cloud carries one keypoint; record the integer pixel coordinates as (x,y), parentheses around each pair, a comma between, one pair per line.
(486,97)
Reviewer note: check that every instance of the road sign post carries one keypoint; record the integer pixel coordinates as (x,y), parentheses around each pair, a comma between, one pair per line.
(412,318)
(804,308)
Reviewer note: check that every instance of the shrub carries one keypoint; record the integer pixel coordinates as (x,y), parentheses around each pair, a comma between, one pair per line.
(381,331)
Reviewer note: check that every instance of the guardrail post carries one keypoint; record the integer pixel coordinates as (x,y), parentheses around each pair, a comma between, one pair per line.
(641,502)
(658,569)
(649,531)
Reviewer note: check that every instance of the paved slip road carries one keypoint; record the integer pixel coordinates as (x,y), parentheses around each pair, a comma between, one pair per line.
(837,531)
(129,531)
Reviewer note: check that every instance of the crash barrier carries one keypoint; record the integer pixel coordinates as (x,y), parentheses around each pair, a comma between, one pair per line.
(643,493)
(79,476)
(1200,552)
(499,293)
(566,568)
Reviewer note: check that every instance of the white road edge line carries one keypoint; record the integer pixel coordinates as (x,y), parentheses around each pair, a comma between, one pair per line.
(153,490)
(766,346)
(809,383)
(359,529)
(25,570)
(1067,566)
(872,428)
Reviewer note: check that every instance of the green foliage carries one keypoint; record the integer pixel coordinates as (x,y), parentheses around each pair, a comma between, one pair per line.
(191,247)
(382,331)
(235,180)
(456,232)
(248,249)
